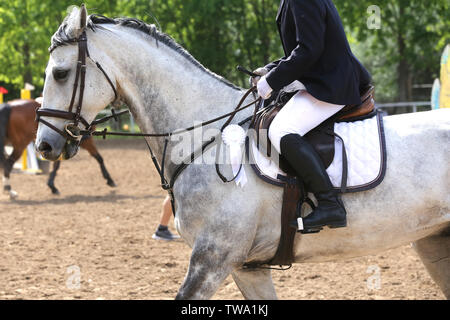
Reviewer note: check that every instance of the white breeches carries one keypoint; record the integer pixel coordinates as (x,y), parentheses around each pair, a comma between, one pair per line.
(300,115)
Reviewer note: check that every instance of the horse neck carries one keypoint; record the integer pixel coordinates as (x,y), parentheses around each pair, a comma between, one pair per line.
(165,89)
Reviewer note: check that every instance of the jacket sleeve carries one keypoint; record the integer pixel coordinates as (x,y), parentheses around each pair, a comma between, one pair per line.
(309,20)
(273,64)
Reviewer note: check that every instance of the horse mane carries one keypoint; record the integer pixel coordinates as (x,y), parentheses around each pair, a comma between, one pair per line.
(95,21)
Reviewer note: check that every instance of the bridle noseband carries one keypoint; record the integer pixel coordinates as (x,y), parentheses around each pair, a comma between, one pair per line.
(71,130)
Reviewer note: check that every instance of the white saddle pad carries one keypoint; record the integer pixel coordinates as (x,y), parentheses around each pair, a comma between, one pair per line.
(365,149)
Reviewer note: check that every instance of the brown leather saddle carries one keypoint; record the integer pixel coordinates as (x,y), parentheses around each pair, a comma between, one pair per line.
(322,139)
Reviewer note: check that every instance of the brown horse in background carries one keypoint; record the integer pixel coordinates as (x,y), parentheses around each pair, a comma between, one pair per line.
(21,130)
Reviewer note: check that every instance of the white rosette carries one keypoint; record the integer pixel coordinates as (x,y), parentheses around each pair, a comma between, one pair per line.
(234,137)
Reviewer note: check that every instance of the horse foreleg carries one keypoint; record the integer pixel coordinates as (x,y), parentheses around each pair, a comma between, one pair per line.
(105,172)
(255,284)
(51,178)
(434,252)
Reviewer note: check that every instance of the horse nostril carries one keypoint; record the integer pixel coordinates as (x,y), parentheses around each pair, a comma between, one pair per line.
(44,147)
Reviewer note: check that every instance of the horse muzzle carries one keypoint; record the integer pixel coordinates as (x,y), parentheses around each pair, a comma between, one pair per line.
(52,146)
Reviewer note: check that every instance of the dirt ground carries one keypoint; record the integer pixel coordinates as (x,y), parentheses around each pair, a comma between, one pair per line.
(94,242)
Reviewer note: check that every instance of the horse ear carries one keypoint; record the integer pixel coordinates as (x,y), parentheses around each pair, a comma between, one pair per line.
(76,21)
(83,17)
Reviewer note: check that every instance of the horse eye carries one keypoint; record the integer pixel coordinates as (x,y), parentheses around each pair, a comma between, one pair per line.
(60,74)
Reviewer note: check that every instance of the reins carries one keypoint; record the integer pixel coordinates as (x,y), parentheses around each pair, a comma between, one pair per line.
(231,115)
(169,184)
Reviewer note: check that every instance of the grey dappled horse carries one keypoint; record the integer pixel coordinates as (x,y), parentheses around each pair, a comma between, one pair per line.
(227,226)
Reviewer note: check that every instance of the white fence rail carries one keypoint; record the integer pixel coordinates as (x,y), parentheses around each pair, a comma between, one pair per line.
(413,105)
(105,113)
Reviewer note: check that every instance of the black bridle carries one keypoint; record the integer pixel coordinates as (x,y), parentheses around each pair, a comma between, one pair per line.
(72,130)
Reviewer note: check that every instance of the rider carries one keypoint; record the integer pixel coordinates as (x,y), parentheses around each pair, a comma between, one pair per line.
(318,55)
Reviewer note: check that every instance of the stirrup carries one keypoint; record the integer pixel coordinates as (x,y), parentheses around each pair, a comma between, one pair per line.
(300,228)
(298,224)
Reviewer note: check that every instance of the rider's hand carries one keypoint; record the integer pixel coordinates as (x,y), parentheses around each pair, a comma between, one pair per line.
(264,89)
(261,72)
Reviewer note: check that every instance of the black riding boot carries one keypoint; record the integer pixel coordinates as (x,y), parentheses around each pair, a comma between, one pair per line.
(309,167)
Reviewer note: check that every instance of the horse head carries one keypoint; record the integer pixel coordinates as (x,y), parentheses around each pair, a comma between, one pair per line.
(75,88)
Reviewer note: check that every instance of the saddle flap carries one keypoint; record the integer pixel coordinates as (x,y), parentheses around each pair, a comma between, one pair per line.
(323,142)
(264,124)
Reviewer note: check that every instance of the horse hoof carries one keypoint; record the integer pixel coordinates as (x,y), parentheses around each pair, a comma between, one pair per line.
(111,184)
(13,195)
(55,192)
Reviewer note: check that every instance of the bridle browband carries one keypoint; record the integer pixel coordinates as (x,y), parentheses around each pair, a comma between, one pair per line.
(71,130)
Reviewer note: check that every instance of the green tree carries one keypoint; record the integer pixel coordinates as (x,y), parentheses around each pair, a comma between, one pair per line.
(221,34)
(408,42)
(26,27)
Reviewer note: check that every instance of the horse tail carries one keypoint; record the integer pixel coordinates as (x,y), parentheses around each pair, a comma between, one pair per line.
(5,112)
